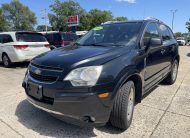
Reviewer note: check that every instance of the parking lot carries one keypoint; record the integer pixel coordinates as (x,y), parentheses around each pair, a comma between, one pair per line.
(163,113)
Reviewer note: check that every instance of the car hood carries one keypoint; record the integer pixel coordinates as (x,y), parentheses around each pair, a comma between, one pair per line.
(72,56)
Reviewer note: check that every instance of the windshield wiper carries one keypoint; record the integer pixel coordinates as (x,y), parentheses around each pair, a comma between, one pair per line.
(99,44)
(76,44)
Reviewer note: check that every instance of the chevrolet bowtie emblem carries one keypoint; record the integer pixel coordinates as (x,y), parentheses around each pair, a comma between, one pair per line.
(37,71)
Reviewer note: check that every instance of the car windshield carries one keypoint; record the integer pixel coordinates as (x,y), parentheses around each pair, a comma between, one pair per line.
(30,37)
(119,34)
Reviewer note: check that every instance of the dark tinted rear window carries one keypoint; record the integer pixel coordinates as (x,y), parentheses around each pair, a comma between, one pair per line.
(6,39)
(69,37)
(30,37)
(164,32)
(57,37)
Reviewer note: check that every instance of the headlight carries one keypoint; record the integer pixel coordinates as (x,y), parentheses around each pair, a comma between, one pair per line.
(85,76)
(26,76)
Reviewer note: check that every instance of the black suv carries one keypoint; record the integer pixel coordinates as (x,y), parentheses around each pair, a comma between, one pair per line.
(101,76)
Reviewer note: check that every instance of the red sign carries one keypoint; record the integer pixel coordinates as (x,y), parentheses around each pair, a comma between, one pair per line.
(73,20)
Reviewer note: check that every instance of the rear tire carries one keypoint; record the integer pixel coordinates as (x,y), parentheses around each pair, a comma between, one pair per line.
(122,112)
(172,76)
(6,61)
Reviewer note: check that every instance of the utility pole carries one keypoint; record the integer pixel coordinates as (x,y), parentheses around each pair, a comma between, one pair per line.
(173,16)
(45,17)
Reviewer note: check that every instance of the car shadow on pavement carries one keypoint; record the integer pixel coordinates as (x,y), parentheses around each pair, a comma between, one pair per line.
(17,65)
(188,54)
(46,125)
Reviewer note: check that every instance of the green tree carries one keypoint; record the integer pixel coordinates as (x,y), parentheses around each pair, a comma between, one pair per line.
(85,22)
(3,22)
(18,16)
(41,28)
(188,25)
(120,18)
(178,34)
(61,10)
(99,16)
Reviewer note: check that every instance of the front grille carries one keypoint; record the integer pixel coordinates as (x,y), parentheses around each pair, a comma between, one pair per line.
(46,67)
(43,78)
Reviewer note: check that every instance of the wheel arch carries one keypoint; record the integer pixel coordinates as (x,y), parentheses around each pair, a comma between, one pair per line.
(177,57)
(134,76)
(3,53)
(138,86)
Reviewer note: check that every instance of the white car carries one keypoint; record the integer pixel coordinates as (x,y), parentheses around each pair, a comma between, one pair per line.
(181,41)
(21,46)
(81,33)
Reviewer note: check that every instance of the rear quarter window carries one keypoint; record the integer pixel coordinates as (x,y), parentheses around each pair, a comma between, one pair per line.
(1,38)
(30,37)
(6,38)
(165,32)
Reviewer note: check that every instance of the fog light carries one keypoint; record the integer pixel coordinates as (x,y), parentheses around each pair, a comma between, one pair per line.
(103,95)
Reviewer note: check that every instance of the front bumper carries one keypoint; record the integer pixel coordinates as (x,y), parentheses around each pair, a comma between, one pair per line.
(80,107)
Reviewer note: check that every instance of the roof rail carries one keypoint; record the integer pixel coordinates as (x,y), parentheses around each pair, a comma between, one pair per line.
(108,22)
(152,18)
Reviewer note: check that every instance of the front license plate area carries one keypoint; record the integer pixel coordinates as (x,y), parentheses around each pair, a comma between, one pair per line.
(35,90)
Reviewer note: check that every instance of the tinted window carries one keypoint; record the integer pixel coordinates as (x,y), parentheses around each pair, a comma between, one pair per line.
(57,37)
(119,34)
(69,37)
(151,32)
(49,37)
(171,33)
(6,39)
(30,37)
(1,37)
(164,32)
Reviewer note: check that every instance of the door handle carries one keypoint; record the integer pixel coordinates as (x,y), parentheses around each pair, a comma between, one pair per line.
(163,51)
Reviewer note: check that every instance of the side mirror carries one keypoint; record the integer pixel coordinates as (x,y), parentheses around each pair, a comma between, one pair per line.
(155,42)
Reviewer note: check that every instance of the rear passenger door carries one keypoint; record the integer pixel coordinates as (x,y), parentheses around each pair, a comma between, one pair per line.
(168,45)
(155,57)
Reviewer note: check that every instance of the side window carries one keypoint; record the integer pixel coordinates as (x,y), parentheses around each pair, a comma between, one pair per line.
(48,37)
(1,38)
(151,32)
(56,37)
(7,39)
(171,33)
(165,32)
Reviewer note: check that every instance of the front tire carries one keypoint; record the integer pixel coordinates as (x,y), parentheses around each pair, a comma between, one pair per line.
(6,61)
(122,112)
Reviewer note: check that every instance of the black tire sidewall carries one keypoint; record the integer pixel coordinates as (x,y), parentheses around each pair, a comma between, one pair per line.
(9,61)
(118,116)
(131,87)
(172,79)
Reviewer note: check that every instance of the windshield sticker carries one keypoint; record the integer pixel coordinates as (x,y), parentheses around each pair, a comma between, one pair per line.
(98,28)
